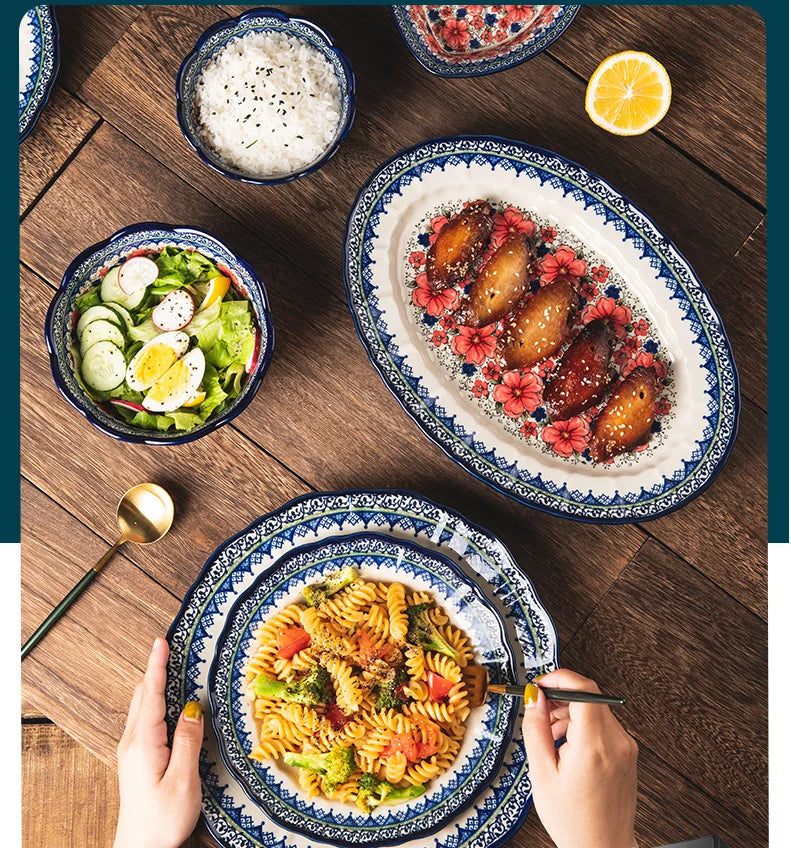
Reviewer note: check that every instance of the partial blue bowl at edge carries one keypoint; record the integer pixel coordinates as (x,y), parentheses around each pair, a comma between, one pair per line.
(84,271)
(259,20)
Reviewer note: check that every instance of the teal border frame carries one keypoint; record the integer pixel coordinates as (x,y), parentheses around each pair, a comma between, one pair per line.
(776,19)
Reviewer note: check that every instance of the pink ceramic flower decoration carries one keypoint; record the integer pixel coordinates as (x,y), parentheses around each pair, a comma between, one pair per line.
(475,344)
(607,309)
(518,393)
(456,34)
(662,406)
(437,223)
(646,360)
(562,263)
(518,13)
(434,302)
(529,428)
(480,388)
(641,327)
(600,274)
(417,258)
(566,437)
(511,220)
(439,338)
(548,234)
(491,370)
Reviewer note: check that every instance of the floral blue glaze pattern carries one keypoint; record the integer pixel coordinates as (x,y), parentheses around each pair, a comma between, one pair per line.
(39,30)
(237,823)
(376,558)
(692,472)
(84,272)
(259,20)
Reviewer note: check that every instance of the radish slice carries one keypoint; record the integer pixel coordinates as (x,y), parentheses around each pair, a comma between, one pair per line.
(127,404)
(250,367)
(137,273)
(175,311)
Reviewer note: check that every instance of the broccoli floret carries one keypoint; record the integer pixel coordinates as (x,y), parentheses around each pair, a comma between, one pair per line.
(387,699)
(317,593)
(422,632)
(336,766)
(372,792)
(314,688)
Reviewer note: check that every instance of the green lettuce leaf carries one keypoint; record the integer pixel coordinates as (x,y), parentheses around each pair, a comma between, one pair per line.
(88,299)
(144,332)
(215,395)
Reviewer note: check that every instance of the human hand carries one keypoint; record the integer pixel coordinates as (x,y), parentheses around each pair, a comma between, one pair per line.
(585,792)
(160,787)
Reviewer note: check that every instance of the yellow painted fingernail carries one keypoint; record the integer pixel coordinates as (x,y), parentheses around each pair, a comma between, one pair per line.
(531,695)
(539,678)
(192,711)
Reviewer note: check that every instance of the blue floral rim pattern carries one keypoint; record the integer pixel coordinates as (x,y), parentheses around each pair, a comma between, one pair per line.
(367,552)
(480,66)
(46,55)
(502,808)
(84,272)
(258,20)
(694,473)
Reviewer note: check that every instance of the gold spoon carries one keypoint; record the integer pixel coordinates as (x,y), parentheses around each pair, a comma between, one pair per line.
(144,515)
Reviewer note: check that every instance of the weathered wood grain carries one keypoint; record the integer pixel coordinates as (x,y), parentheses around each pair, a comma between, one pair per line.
(219,483)
(86,35)
(60,129)
(692,663)
(322,409)
(83,672)
(716,59)
(68,796)
(399,104)
(724,534)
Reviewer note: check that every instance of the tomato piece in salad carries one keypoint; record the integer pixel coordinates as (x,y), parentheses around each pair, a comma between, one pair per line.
(291,640)
(335,716)
(402,743)
(438,687)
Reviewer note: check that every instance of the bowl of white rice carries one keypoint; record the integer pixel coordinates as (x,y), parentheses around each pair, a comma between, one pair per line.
(265,98)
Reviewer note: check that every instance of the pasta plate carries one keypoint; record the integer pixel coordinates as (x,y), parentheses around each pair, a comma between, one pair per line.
(230,815)
(273,785)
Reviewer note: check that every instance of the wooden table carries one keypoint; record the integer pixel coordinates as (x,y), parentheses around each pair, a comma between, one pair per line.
(672,612)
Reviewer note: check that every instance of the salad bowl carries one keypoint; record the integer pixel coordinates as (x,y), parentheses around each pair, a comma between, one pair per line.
(215,38)
(233,819)
(488,728)
(450,380)
(471,41)
(39,57)
(87,270)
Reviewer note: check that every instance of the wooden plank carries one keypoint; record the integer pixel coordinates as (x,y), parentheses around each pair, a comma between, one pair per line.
(68,796)
(322,410)
(31,713)
(219,483)
(132,89)
(691,662)
(86,35)
(722,534)
(718,111)
(59,131)
(740,292)
(83,673)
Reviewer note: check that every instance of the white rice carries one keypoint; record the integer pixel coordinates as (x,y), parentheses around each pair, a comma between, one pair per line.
(268,104)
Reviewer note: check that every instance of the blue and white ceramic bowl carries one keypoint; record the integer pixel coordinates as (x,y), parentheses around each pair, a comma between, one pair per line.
(214,39)
(85,271)
(273,785)
(232,818)
(389,229)
(39,56)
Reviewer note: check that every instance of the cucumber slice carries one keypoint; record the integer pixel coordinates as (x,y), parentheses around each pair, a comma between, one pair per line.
(112,292)
(103,366)
(101,331)
(122,313)
(97,313)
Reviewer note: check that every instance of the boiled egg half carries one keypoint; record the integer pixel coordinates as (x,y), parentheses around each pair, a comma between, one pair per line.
(178,384)
(154,359)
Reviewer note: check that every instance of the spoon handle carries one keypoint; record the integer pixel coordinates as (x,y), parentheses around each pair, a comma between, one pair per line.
(61,608)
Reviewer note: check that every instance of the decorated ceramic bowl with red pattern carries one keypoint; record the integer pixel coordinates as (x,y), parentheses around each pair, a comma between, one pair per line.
(468,41)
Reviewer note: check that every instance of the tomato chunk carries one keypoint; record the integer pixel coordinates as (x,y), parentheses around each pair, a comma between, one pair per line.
(438,687)
(335,716)
(404,743)
(291,640)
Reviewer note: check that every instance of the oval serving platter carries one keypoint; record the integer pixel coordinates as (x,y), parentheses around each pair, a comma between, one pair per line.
(629,274)
(471,41)
(38,64)
(234,821)
(274,786)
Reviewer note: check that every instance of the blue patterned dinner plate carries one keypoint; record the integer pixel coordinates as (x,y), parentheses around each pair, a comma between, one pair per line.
(38,64)
(470,41)
(452,381)
(274,786)
(251,557)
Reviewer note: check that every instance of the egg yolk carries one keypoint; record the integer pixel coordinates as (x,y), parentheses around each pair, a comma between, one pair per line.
(154,363)
(171,383)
